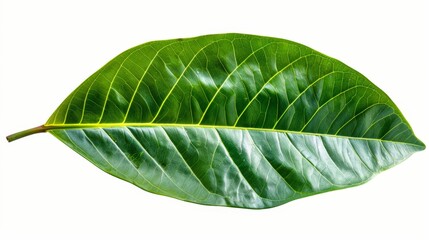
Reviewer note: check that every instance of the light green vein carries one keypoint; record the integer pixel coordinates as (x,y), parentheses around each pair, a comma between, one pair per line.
(49,127)
(269,80)
(229,76)
(299,96)
(181,75)
(141,79)
(331,99)
(111,83)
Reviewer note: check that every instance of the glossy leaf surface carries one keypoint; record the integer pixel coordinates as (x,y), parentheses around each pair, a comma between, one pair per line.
(233,120)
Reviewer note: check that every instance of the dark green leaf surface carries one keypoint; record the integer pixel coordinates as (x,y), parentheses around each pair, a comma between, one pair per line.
(233,120)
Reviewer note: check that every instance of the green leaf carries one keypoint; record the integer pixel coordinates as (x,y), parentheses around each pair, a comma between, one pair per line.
(232,120)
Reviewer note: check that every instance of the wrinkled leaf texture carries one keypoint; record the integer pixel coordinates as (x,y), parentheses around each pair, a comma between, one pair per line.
(233,120)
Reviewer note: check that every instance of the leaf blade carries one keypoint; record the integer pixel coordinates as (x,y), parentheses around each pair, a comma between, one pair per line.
(281,180)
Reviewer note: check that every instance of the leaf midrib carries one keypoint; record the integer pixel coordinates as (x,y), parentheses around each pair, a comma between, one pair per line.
(49,127)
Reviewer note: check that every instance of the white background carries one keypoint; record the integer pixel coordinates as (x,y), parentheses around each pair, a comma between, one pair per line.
(49,47)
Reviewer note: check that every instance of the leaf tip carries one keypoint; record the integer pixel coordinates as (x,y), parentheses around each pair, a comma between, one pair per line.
(421,145)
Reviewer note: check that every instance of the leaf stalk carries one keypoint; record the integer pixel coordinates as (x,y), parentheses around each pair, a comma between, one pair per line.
(27,132)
